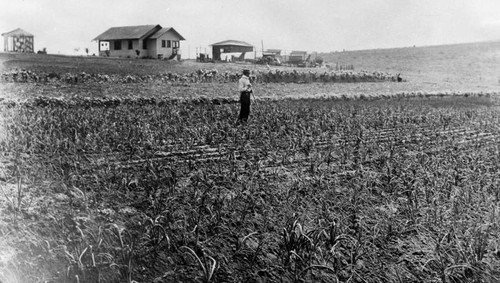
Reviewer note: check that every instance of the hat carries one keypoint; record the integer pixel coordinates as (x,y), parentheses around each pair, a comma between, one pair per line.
(246,71)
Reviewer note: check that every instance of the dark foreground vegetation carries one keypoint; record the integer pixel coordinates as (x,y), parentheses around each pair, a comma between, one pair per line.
(395,190)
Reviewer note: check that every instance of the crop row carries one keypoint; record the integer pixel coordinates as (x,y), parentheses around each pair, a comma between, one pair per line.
(86,101)
(381,128)
(322,154)
(200,76)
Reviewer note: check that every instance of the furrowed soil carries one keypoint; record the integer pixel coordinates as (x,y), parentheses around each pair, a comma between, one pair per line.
(140,180)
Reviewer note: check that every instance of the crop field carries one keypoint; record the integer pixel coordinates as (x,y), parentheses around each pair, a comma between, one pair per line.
(111,173)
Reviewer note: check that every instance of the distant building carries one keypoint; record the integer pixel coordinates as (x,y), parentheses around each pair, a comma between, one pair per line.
(18,40)
(140,41)
(297,56)
(231,46)
(272,55)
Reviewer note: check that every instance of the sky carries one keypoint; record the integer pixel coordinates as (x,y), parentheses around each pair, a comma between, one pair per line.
(68,26)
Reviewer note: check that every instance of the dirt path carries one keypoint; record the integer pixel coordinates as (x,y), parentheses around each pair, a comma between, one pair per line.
(7,193)
(2,67)
(5,91)
(7,252)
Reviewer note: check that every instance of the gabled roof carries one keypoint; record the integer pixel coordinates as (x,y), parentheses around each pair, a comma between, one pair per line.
(17,32)
(164,30)
(128,32)
(233,42)
(298,53)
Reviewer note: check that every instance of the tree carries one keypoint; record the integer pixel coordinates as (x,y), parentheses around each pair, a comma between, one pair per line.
(87,51)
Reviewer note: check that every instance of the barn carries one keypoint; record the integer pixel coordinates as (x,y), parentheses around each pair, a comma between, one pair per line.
(145,41)
(230,46)
(18,40)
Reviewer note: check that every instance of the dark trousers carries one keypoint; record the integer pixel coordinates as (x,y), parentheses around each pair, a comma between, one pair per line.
(245,106)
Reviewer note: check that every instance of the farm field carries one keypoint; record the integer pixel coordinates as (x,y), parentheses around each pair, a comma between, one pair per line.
(448,69)
(124,176)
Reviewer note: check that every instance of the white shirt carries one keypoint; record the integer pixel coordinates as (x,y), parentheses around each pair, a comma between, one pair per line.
(244,84)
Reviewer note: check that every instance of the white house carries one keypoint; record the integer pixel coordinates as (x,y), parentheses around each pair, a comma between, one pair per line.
(140,41)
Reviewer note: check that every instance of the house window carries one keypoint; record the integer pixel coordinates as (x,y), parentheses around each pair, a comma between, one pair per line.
(176,44)
(130,44)
(163,43)
(118,45)
(144,44)
(169,43)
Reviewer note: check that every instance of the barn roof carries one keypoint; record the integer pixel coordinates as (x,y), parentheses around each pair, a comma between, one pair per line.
(164,30)
(17,32)
(232,42)
(127,32)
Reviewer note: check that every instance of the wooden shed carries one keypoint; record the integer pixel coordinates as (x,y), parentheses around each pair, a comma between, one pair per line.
(18,40)
(230,46)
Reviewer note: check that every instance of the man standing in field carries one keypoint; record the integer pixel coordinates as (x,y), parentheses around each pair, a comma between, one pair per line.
(245,88)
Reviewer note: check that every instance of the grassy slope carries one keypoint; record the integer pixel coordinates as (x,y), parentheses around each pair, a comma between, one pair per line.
(459,64)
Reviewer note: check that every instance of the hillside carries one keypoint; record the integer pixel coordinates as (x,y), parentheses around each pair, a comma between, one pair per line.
(459,64)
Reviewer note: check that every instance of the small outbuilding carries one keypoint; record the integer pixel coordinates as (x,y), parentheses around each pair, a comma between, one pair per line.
(230,46)
(297,57)
(272,56)
(151,41)
(18,40)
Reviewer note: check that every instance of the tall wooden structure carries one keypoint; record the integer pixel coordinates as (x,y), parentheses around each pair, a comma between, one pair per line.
(18,40)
